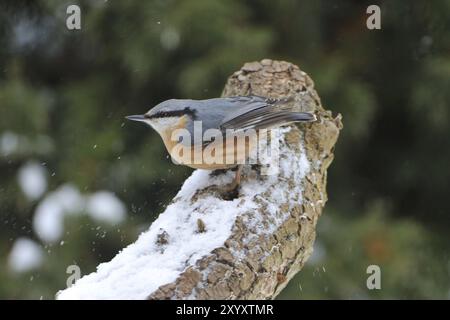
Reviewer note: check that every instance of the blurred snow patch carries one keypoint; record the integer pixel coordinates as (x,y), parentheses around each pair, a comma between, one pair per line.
(25,255)
(49,217)
(105,206)
(170,38)
(9,143)
(318,255)
(12,144)
(70,198)
(32,179)
(48,221)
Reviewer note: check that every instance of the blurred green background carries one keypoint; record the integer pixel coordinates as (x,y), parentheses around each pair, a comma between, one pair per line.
(78,183)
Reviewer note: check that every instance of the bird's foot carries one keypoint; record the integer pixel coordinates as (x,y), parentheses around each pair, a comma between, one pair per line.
(218,172)
(229,191)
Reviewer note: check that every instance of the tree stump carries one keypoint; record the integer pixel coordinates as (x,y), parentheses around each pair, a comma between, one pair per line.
(257,261)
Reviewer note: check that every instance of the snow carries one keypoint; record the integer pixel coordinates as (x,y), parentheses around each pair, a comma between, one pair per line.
(12,144)
(170,39)
(9,143)
(105,206)
(48,221)
(145,265)
(318,255)
(25,255)
(32,178)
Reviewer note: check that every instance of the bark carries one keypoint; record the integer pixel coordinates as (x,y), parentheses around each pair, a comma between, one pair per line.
(268,246)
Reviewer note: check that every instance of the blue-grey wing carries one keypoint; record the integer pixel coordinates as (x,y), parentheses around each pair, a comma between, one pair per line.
(212,113)
(244,112)
(256,112)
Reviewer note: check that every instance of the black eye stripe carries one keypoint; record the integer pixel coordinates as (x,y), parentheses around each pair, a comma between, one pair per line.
(175,113)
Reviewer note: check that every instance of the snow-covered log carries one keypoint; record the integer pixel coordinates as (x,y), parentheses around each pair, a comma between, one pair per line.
(205,246)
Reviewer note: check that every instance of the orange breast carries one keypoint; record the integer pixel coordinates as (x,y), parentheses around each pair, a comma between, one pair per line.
(216,155)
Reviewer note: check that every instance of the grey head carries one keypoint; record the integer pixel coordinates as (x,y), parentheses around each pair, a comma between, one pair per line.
(166,114)
(166,109)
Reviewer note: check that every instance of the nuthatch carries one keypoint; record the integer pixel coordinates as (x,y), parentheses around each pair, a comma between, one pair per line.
(239,114)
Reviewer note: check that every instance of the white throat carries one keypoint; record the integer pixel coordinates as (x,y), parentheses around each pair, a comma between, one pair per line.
(163,124)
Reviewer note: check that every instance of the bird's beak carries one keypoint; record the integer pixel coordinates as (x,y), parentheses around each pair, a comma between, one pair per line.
(138,117)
